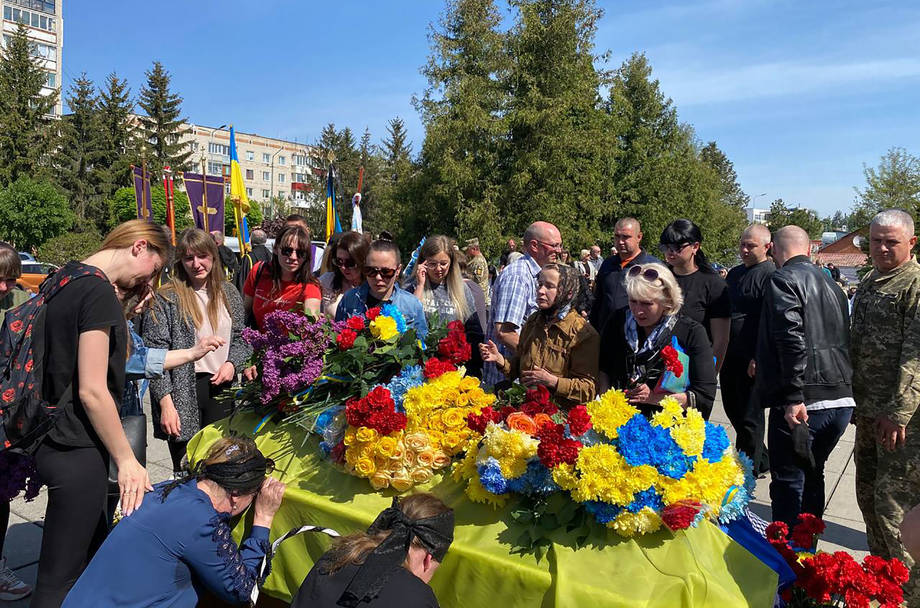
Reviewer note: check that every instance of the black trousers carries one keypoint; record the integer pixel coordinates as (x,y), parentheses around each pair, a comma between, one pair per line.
(210,410)
(75,523)
(745,413)
(4,522)
(794,489)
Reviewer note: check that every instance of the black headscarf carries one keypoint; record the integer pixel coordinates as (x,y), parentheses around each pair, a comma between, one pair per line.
(243,476)
(567,292)
(435,534)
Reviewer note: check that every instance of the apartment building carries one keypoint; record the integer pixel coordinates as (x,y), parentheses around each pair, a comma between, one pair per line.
(271,167)
(45,22)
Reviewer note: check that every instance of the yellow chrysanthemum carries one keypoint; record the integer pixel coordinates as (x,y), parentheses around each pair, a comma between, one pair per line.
(477,493)
(512,449)
(610,411)
(565,477)
(632,524)
(690,432)
(384,328)
(604,475)
(707,483)
(671,412)
(466,468)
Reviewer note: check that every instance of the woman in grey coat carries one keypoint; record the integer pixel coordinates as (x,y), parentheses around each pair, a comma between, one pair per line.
(198,302)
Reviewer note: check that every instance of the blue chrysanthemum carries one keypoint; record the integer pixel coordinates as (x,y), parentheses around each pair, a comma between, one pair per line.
(603,512)
(490,475)
(536,480)
(646,498)
(640,443)
(716,442)
(410,377)
(390,310)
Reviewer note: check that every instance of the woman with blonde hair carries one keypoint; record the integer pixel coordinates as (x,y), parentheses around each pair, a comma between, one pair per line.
(389,565)
(181,542)
(439,285)
(637,339)
(198,302)
(85,349)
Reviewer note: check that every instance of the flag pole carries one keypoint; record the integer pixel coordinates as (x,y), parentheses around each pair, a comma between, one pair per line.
(206,218)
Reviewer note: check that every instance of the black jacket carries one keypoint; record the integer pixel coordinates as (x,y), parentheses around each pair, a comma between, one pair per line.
(610,287)
(619,363)
(803,342)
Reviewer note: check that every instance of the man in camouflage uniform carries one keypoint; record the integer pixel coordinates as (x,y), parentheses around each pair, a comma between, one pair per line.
(477,267)
(885,352)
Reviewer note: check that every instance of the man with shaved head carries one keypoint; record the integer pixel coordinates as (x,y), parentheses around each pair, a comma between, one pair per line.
(514,294)
(747,284)
(885,347)
(802,374)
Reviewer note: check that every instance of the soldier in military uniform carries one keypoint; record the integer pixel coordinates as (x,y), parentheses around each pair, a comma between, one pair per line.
(477,267)
(885,353)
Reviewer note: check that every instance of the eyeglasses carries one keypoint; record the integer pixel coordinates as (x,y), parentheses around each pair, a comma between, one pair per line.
(671,248)
(649,274)
(440,265)
(384,273)
(553,246)
(288,252)
(346,263)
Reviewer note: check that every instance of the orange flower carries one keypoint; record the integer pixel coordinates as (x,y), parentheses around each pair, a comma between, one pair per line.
(540,419)
(519,421)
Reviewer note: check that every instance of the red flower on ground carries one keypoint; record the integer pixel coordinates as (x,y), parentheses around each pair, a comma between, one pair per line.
(355,323)
(806,531)
(579,420)
(346,338)
(372,313)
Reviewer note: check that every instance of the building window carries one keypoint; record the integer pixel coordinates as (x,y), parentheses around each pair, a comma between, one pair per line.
(28,18)
(214,148)
(249,174)
(50,80)
(280,160)
(38,5)
(248,192)
(266,194)
(266,176)
(281,194)
(250,155)
(281,178)
(266,157)
(299,177)
(194,146)
(215,168)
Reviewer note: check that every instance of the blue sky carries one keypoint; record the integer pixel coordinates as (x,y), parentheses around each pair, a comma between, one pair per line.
(798,94)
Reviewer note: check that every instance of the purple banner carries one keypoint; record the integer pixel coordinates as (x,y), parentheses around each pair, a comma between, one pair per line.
(206,201)
(142,194)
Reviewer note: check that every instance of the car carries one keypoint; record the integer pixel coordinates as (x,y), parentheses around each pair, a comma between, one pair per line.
(33,273)
(26,257)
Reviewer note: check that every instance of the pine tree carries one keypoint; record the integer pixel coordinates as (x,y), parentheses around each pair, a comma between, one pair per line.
(27,132)
(559,139)
(162,125)
(371,162)
(458,180)
(117,149)
(78,156)
(732,194)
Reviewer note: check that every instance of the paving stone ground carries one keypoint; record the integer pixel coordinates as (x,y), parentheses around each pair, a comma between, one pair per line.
(845,528)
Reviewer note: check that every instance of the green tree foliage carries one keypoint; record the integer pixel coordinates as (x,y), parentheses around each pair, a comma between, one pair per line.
(118,149)
(27,133)
(69,246)
(373,217)
(458,184)
(161,127)
(254,216)
(783,215)
(559,141)
(31,212)
(396,171)
(894,183)
(123,207)
(730,189)
(78,158)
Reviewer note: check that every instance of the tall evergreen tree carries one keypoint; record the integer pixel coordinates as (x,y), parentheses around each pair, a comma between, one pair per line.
(894,183)
(559,138)
(732,194)
(116,152)
(161,127)
(78,156)
(27,132)
(459,181)
(371,162)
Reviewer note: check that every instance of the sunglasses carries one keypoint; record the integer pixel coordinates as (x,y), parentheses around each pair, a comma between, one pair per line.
(289,251)
(649,274)
(672,248)
(339,262)
(384,273)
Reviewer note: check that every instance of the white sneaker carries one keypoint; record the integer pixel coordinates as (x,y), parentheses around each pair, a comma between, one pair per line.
(11,588)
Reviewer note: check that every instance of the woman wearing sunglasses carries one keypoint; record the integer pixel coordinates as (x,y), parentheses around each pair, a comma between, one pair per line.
(381,269)
(706,298)
(439,285)
(557,348)
(634,358)
(285,283)
(346,259)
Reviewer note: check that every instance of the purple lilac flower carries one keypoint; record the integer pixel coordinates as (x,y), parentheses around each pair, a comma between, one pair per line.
(292,348)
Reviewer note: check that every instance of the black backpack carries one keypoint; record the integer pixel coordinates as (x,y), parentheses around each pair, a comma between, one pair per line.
(25,416)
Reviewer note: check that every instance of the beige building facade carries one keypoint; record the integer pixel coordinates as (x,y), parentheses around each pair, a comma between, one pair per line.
(45,22)
(272,168)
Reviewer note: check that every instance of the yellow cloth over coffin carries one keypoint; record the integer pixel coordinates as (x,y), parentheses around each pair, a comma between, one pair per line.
(696,567)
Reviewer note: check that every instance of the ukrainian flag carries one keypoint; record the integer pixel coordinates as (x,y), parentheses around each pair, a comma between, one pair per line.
(238,196)
(332,218)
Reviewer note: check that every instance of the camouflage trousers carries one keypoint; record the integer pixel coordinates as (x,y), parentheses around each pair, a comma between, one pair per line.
(887,487)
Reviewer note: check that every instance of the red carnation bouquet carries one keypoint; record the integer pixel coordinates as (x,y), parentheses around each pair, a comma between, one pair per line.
(834,579)
(377,411)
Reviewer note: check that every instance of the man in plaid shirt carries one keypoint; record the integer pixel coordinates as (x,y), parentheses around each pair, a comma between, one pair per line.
(514,294)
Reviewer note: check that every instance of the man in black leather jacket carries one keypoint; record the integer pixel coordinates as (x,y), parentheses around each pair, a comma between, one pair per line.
(803,375)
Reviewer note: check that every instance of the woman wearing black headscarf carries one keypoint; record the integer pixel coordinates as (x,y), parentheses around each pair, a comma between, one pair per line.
(558,348)
(181,541)
(389,565)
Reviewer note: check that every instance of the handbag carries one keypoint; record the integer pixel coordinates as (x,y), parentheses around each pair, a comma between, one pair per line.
(135,427)
(669,382)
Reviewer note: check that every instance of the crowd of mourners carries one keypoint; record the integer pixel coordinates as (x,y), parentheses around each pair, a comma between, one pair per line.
(796,356)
